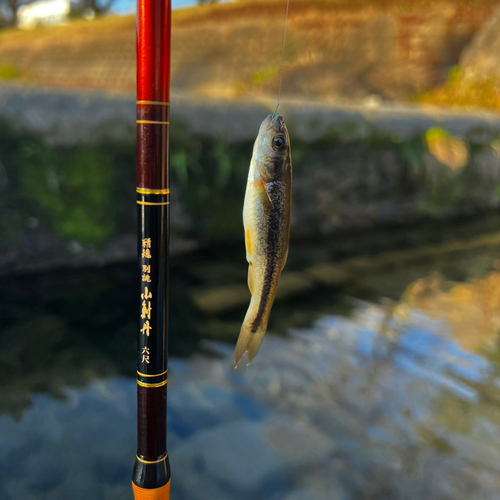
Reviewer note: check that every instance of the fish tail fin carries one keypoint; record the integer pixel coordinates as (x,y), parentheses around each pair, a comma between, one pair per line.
(248,341)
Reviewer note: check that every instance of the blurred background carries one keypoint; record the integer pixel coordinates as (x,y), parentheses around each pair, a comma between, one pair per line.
(379,377)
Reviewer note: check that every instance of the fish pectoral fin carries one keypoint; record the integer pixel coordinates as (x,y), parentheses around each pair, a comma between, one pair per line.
(260,184)
(251,278)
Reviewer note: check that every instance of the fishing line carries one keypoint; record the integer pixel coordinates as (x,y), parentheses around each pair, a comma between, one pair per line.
(282,58)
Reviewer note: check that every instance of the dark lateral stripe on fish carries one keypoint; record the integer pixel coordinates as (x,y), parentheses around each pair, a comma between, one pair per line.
(266,290)
(273,242)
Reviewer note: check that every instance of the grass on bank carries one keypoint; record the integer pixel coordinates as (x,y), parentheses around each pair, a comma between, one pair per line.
(457,92)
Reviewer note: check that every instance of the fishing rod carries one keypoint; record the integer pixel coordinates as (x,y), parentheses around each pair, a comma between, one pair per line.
(151,474)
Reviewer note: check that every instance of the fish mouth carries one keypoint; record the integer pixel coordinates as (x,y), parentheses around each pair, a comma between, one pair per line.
(275,125)
(278,124)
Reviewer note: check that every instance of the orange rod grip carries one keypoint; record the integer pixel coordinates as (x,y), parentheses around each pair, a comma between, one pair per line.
(162,493)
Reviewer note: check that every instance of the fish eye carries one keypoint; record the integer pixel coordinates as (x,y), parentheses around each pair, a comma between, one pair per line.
(279,142)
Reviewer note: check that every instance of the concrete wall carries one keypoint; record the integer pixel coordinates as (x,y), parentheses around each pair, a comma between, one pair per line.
(67,117)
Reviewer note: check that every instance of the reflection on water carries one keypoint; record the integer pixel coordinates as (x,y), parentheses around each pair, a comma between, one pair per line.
(385,386)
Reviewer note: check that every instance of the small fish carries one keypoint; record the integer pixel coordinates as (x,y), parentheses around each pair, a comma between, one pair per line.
(266,219)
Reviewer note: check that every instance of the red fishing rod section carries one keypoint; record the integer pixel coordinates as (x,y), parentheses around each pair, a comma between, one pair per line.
(151,475)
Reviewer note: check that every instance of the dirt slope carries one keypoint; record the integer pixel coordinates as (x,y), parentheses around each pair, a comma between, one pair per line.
(334,48)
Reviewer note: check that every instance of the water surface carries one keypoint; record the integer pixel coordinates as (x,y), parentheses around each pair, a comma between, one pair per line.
(379,378)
